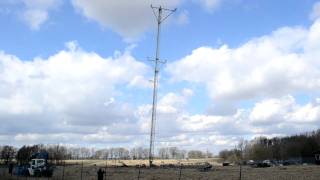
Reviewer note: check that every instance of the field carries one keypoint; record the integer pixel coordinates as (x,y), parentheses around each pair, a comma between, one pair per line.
(74,170)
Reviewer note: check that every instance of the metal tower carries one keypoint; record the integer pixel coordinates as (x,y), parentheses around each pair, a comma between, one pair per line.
(158,13)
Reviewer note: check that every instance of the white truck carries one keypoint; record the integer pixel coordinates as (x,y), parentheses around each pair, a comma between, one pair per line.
(38,165)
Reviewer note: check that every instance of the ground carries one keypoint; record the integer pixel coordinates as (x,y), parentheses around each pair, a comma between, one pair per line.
(73,170)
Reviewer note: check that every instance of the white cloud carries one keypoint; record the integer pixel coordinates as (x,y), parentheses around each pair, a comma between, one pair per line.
(284,116)
(131,18)
(169,108)
(271,68)
(76,93)
(183,17)
(140,81)
(73,91)
(67,138)
(315,11)
(283,62)
(209,5)
(175,101)
(73,94)
(105,137)
(177,127)
(126,17)
(269,117)
(36,12)
(272,110)
(309,113)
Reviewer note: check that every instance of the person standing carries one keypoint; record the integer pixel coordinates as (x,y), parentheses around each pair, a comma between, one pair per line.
(100,174)
(10,168)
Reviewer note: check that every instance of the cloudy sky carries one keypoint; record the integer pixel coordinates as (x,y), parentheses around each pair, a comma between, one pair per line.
(77,72)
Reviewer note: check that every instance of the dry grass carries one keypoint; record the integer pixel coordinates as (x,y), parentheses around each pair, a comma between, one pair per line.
(103,163)
(90,167)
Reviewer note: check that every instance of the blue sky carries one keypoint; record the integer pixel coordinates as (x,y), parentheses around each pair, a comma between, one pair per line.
(233,22)
(235,69)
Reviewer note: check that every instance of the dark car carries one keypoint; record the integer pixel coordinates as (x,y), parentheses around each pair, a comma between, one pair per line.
(21,170)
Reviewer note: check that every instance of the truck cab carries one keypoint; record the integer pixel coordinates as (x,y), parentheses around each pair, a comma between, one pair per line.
(36,163)
(37,166)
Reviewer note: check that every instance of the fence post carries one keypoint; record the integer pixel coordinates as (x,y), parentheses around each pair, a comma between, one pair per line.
(81,169)
(139,173)
(180,171)
(64,164)
(105,172)
(240,173)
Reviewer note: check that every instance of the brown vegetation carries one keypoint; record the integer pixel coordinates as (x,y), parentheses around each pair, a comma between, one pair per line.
(72,171)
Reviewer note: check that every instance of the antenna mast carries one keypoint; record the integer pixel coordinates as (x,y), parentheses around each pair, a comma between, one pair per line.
(158,13)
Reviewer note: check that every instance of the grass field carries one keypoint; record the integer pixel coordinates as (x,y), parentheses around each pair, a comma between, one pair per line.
(102,163)
(72,171)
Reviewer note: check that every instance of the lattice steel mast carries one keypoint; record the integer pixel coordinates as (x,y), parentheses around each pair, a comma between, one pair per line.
(158,12)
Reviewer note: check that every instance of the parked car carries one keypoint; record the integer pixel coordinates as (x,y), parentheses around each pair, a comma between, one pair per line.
(267,163)
(226,164)
(262,164)
(250,162)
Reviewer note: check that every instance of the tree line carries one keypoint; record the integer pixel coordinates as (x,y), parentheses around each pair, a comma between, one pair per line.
(261,148)
(277,148)
(57,153)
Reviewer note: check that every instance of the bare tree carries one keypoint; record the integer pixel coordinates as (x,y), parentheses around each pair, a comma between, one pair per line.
(195,154)
(173,151)
(163,153)
(182,154)
(8,153)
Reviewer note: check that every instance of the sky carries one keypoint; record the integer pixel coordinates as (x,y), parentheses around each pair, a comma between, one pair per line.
(77,72)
